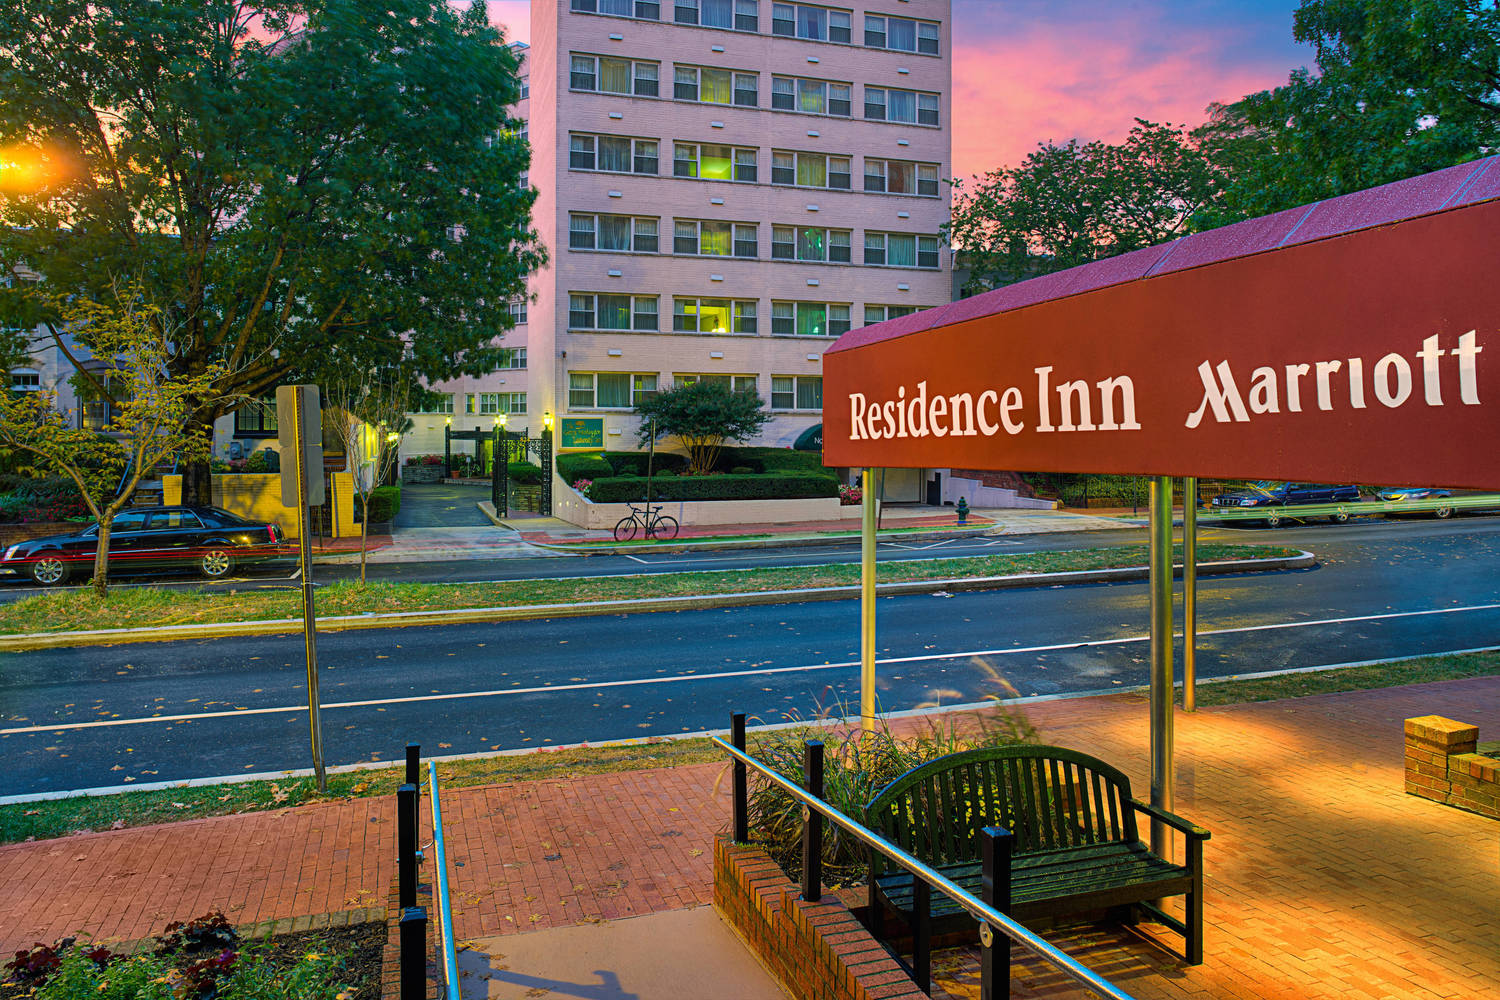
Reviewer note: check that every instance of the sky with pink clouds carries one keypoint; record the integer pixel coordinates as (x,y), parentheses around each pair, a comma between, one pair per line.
(1027,71)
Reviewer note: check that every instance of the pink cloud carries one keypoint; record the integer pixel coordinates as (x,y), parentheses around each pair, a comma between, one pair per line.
(1015,90)
(514,15)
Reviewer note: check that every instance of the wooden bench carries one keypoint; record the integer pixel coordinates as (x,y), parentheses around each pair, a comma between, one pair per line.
(1075,845)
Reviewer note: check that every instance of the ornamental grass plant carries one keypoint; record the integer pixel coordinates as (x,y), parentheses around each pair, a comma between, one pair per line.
(856,765)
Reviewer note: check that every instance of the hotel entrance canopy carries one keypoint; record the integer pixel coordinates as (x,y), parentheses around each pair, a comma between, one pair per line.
(1352,340)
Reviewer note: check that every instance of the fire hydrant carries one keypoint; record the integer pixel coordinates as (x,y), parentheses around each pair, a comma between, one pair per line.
(963,511)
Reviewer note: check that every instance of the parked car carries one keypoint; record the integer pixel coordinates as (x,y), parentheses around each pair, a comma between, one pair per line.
(1403,494)
(212,540)
(1272,494)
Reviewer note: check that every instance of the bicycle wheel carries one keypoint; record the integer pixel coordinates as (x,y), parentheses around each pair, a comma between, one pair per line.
(625,529)
(664,527)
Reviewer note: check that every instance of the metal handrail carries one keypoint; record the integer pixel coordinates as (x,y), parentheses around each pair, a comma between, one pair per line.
(977,908)
(444,908)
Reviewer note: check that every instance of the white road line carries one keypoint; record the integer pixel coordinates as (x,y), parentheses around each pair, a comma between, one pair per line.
(935,545)
(729,674)
(641,561)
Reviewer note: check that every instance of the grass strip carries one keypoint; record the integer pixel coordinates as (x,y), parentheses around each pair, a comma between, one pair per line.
(60,817)
(148,607)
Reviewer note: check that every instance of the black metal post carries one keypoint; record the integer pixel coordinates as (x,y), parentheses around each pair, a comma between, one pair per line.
(413,764)
(546,503)
(812,824)
(741,793)
(406,845)
(921,934)
(500,475)
(447,451)
(413,953)
(996,846)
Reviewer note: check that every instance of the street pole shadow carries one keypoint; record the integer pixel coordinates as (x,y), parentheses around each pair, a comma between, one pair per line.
(477,970)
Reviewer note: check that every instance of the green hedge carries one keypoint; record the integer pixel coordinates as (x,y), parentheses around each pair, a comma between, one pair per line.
(385,504)
(635,462)
(583,465)
(773,460)
(523,473)
(786,486)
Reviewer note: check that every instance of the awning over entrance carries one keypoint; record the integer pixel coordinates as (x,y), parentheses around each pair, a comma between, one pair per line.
(1350,340)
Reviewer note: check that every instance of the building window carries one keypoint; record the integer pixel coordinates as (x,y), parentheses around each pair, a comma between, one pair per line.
(708,85)
(810,244)
(609,390)
(901,250)
(704,238)
(815,170)
(813,97)
(587,311)
(713,162)
(910,106)
(879,314)
(735,383)
(649,10)
(612,232)
(608,75)
(741,15)
(512,402)
(612,154)
(525,90)
(901,34)
(518,312)
(810,319)
(23,380)
(816,24)
(712,316)
(256,420)
(901,177)
(796,392)
(438,402)
(512,359)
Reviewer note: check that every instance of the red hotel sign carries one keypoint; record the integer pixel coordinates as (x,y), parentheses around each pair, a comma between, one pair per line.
(1371,357)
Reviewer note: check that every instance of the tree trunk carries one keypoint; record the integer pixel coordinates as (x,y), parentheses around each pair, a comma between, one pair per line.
(197,484)
(101,559)
(364,538)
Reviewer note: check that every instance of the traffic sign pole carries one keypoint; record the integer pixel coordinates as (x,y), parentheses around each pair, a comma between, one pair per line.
(309,622)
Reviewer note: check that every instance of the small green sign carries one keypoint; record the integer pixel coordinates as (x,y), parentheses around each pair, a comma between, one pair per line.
(582,432)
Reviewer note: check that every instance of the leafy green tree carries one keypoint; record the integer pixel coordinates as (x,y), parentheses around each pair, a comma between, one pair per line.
(148,424)
(369,416)
(1069,204)
(702,416)
(297,183)
(1402,87)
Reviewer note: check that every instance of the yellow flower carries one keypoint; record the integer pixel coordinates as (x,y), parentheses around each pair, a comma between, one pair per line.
(313,956)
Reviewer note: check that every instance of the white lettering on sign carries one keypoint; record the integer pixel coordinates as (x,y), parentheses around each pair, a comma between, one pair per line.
(964,414)
(1390,383)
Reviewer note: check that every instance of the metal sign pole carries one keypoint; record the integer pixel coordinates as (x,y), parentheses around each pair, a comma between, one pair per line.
(1189,593)
(309,623)
(1161,658)
(867,604)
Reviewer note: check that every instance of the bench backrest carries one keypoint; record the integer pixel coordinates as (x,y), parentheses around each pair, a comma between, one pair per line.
(1049,797)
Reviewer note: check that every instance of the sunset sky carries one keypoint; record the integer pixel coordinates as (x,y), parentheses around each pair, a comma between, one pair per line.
(1025,71)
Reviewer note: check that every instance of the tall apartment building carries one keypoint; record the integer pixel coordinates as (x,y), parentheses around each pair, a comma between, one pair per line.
(723,186)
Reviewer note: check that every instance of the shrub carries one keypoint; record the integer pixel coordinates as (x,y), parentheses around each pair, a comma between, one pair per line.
(856,766)
(583,465)
(742,470)
(583,486)
(385,504)
(523,473)
(773,460)
(789,486)
(28,500)
(850,495)
(668,473)
(635,462)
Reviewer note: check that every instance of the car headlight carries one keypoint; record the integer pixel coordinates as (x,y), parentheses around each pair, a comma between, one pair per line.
(10,553)
(1249,502)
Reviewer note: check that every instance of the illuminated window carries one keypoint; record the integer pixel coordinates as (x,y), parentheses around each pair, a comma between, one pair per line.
(713,162)
(608,75)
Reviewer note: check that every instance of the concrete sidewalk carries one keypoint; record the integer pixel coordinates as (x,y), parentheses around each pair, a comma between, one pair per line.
(1324,878)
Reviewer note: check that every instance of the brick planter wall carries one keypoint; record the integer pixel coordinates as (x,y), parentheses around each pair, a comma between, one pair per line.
(1442,764)
(10,534)
(819,951)
(421,473)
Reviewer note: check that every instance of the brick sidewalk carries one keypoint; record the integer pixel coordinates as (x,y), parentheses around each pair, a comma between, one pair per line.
(1324,878)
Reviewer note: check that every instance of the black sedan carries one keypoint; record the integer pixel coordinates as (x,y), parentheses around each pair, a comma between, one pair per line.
(211,540)
(1269,494)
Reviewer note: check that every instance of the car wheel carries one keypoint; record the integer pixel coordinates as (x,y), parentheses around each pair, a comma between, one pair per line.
(1273,519)
(1443,512)
(216,563)
(1342,517)
(49,569)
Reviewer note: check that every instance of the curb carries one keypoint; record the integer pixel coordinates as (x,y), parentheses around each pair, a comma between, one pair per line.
(469,616)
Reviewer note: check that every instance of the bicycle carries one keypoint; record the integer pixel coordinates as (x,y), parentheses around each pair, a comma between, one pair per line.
(654,524)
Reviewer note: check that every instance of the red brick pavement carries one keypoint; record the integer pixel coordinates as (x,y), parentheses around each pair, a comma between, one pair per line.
(1325,879)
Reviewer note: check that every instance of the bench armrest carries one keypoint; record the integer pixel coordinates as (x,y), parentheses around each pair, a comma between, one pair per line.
(1172,820)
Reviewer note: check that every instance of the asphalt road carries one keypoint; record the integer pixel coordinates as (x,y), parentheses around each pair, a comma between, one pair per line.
(144,713)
